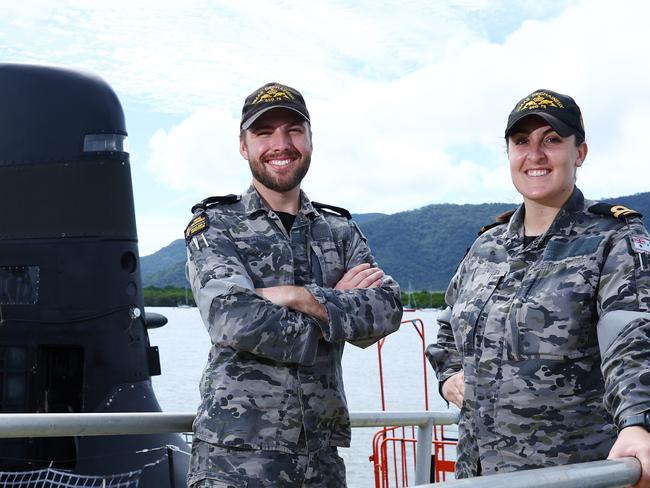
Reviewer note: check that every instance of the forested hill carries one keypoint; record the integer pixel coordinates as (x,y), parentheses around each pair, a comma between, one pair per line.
(420,248)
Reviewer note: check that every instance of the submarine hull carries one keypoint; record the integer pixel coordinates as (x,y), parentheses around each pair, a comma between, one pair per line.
(73,334)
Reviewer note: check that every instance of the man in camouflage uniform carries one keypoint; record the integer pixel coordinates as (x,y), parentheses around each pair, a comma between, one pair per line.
(281,283)
(552,335)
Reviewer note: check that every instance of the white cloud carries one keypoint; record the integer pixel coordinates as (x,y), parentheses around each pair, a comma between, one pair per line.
(184,57)
(200,154)
(390,145)
(619,165)
(408,100)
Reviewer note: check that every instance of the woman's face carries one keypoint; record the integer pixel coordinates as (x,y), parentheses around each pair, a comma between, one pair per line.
(542,163)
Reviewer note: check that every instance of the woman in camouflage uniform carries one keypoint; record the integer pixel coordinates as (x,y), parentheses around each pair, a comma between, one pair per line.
(546,347)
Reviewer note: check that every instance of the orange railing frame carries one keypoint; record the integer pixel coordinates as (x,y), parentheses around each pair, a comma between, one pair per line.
(387,435)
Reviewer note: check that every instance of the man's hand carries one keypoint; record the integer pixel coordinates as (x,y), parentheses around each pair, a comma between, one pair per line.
(634,441)
(298,298)
(295,298)
(453,389)
(361,276)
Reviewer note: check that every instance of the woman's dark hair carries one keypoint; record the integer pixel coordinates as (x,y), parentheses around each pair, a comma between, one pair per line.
(504,217)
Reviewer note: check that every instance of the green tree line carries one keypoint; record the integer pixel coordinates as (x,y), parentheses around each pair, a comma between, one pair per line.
(423,299)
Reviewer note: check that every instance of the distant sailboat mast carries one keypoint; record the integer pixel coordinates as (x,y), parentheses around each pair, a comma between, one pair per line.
(187,300)
(411,304)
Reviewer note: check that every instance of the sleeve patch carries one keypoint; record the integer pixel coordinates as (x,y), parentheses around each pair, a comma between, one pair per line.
(197,225)
(640,244)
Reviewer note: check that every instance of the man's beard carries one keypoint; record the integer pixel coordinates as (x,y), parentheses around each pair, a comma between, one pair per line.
(270,181)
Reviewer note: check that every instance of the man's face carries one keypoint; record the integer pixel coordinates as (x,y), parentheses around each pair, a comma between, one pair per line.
(278,149)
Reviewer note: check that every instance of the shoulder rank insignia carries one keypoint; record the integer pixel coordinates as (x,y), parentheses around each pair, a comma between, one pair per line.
(616,211)
(503,218)
(208,202)
(337,210)
(485,228)
(197,225)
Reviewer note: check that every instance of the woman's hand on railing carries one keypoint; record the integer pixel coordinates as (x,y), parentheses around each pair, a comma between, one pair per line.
(634,441)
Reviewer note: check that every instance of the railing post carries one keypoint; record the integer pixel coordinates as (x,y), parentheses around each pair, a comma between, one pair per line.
(423,453)
(170,466)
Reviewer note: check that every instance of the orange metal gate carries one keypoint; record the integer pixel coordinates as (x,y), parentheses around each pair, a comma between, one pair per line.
(393,448)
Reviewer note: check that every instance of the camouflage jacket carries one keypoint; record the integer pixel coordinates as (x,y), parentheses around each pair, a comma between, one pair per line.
(523,330)
(273,379)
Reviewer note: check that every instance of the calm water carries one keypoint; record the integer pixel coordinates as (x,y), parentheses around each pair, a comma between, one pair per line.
(184,346)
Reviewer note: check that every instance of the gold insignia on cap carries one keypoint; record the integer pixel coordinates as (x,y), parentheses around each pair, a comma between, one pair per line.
(539,100)
(275,93)
(621,211)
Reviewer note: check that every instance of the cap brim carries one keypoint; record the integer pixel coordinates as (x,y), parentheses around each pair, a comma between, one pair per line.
(245,125)
(560,127)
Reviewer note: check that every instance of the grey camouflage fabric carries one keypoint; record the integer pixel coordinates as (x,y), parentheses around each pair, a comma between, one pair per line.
(523,330)
(216,466)
(273,379)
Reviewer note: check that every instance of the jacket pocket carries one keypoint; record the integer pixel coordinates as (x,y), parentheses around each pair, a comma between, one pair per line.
(469,305)
(267,259)
(555,316)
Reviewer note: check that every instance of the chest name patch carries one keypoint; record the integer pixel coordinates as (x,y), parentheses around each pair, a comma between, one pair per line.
(557,250)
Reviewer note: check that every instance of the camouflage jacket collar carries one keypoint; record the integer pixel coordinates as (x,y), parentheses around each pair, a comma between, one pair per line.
(253,203)
(562,224)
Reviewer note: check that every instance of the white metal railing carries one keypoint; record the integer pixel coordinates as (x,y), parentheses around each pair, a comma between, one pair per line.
(90,424)
(598,474)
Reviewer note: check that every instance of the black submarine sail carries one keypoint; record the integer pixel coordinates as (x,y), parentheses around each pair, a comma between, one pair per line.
(73,334)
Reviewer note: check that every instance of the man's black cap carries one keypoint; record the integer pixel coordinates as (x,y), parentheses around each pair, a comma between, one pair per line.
(560,111)
(268,97)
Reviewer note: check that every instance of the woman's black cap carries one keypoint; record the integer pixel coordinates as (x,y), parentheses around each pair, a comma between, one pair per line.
(560,111)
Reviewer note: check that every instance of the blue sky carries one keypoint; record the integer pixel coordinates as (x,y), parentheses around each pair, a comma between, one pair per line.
(408,99)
